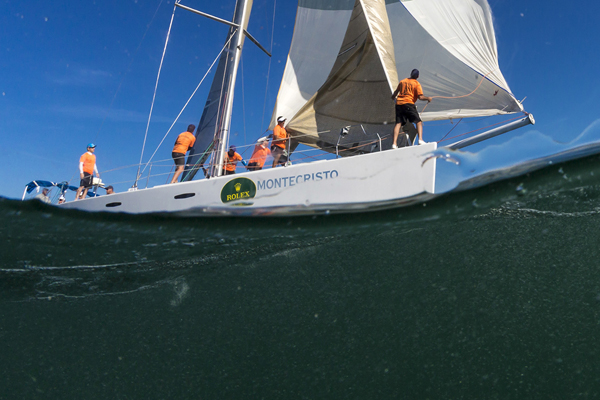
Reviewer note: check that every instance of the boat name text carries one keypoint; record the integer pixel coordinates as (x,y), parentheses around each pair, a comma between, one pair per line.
(296,179)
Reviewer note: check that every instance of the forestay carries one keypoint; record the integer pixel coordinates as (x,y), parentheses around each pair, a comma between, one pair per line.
(347,56)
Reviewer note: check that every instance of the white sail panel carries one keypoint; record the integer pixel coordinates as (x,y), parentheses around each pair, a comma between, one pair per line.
(318,34)
(379,27)
(364,70)
(451,42)
(460,89)
(465,29)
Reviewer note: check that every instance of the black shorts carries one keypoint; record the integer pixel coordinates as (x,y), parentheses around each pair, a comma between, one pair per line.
(179,159)
(87,181)
(407,113)
(226,172)
(277,153)
(253,166)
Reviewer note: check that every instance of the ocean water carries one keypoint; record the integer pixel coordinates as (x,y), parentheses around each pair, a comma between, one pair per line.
(491,291)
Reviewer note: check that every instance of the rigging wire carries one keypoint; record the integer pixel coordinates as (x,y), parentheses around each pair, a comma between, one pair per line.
(155,89)
(187,102)
(482,128)
(262,122)
(444,137)
(243,101)
(126,71)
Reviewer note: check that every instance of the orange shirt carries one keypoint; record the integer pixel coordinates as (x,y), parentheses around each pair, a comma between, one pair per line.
(260,155)
(184,142)
(279,136)
(409,91)
(89,161)
(231,162)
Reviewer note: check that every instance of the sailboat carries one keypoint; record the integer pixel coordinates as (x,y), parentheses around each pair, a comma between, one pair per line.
(344,62)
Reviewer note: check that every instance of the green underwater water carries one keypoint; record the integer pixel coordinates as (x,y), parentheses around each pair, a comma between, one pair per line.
(488,293)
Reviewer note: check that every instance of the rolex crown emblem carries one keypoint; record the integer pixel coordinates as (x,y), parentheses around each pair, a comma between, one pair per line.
(237,187)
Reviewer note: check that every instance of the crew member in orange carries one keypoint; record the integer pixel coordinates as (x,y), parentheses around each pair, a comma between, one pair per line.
(279,143)
(230,161)
(260,154)
(184,142)
(87,167)
(408,91)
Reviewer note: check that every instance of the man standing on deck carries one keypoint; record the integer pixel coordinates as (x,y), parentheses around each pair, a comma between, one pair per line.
(87,167)
(408,91)
(185,141)
(279,142)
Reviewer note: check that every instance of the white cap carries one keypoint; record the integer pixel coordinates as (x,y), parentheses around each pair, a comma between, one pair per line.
(262,139)
(280,119)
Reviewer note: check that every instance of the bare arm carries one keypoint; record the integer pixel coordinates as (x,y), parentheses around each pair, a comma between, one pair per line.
(425,98)
(395,94)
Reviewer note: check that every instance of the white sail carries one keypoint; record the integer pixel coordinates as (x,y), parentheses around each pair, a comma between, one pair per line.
(451,42)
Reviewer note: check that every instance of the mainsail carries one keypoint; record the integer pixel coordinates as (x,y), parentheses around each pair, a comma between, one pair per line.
(348,78)
(213,129)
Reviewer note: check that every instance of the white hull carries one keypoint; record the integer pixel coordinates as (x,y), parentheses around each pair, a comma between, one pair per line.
(367,182)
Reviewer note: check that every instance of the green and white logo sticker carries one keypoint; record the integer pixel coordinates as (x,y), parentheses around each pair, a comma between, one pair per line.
(238,189)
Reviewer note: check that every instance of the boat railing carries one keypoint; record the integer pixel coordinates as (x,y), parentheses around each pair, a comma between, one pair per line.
(160,172)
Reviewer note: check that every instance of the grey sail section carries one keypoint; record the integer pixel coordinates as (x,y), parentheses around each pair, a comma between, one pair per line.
(318,36)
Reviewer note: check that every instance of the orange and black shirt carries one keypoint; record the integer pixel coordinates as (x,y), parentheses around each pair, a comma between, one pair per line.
(184,142)
(409,91)
(279,137)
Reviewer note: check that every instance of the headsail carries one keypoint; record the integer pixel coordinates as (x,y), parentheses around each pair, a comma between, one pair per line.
(451,42)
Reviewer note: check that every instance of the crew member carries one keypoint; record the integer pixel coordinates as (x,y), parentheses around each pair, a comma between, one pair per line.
(278,145)
(43,196)
(230,161)
(185,141)
(87,167)
(408,91)
(260,154)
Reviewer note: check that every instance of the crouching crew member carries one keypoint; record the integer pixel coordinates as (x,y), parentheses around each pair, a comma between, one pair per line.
(230,161)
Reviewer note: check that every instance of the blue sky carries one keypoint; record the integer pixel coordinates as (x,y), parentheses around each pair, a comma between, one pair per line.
(78,71)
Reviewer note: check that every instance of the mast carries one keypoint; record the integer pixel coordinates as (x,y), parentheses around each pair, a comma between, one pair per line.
(241,18)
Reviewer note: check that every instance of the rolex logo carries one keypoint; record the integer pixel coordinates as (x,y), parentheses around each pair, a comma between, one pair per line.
(239,191)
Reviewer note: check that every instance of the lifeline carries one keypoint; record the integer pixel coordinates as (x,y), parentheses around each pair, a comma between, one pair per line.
(294,180)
